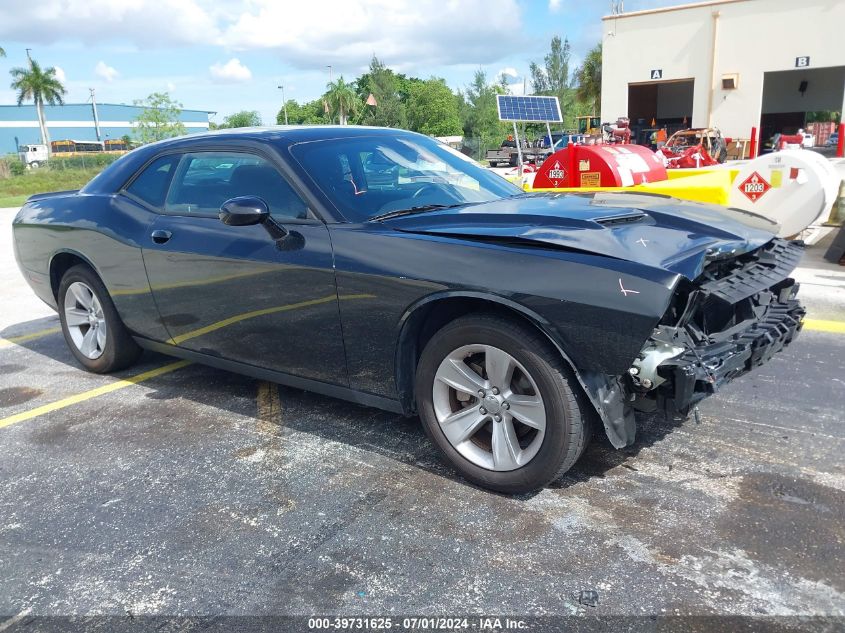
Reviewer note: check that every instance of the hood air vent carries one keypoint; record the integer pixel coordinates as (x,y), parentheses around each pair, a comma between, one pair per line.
(627,218)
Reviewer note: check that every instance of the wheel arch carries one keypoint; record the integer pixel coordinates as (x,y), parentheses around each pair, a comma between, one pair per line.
(425,317)
(61,262)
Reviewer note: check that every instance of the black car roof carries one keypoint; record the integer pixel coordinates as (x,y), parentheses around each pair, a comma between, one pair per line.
(113,177)
(290,133)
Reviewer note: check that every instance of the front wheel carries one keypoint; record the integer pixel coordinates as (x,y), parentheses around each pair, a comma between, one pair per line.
(500,403)
(91,326)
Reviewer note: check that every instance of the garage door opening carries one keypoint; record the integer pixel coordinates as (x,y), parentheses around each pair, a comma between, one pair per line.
(658,104)
(794,98)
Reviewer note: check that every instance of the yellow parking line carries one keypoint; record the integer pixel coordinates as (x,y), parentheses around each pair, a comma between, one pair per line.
(92,393)
(23,338)
(822,325)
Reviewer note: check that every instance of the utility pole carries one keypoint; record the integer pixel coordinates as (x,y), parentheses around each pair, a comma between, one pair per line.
(28,54)
(284,103)
(94,108)
(325,103)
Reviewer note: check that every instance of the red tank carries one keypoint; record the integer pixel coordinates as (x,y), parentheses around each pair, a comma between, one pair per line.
(600,166)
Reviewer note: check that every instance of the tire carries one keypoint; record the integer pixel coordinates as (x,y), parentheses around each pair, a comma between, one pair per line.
(34,164)
(538,372)
(113,351)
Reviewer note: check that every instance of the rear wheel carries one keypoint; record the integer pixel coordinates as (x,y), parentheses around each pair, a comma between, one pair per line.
(91,326)
(500,404)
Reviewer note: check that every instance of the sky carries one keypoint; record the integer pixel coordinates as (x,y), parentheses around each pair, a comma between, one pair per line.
(233,55)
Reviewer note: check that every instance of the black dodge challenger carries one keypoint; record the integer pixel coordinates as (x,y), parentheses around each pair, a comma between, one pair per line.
(383,267)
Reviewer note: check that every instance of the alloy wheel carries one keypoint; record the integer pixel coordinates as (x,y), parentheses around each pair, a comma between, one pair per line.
(85,321)
(489,407)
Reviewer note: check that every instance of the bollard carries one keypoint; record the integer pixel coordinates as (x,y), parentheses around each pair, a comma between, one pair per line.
(840,145)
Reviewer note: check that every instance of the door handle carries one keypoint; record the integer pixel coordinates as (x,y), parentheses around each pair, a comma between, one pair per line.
(161,237)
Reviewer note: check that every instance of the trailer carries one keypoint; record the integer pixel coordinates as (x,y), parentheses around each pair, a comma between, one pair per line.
(508,154)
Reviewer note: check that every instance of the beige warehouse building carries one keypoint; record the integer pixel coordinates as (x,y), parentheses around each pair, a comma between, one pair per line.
(733,64)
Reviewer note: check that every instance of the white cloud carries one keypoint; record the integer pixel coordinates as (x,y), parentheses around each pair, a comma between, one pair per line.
(142,22)
(509,71)
(554,5)
(406,34)
(233,71)
(60,74)
(104,71)
(517,89)
(403,33)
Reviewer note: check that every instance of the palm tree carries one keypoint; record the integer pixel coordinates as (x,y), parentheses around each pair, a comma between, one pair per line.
(2,52)
(589,79)
(40,86)
(342,100)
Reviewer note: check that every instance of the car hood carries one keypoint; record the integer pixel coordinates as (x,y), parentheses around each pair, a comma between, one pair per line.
(675,235)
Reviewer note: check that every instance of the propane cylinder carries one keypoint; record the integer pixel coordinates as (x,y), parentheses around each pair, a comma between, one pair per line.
(600,166)
(795,188)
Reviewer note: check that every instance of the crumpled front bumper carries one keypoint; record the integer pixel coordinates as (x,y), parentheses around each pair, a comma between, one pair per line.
(735,318)
(701,370)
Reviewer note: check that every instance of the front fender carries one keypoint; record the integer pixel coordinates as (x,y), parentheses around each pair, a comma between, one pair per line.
(605,393)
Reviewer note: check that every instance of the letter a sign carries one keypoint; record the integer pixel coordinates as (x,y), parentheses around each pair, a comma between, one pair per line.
(657,74)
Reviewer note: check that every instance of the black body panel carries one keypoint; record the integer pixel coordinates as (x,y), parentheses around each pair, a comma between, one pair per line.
(342,307)
(229,291)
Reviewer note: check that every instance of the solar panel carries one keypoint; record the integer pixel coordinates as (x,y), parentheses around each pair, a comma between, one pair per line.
(533,108)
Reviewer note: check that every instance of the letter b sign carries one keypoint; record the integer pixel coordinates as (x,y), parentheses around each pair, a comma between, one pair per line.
(802,62)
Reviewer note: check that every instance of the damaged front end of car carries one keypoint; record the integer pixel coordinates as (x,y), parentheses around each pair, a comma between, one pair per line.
(734,317)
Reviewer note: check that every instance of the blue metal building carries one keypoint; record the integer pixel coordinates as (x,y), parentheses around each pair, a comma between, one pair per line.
(75,121)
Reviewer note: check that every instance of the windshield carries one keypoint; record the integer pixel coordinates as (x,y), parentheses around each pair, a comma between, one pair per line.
(369,176)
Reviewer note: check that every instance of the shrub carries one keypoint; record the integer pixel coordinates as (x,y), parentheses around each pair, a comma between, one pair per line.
(16,168)
(84,162)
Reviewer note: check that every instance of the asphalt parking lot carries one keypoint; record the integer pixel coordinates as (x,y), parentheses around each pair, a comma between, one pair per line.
(174,488)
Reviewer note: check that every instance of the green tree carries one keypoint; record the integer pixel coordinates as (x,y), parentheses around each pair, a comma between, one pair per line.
(588,78)
(480,114)
(384,85)
(553,78)
(557,66)
(313,112)
(405,84)
(539,82)
(39,86)
(342,100)
(2,52)
(244,118)
(432,108)
(159,119)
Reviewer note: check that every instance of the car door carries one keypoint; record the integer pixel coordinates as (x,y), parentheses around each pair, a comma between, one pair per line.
(239,292)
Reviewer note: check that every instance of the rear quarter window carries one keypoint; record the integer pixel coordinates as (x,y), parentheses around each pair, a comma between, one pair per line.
(152,183)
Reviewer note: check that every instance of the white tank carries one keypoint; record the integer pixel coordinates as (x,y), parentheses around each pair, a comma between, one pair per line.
(795,188)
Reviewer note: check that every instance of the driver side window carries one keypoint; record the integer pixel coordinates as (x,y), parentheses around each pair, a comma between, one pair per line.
(205,180)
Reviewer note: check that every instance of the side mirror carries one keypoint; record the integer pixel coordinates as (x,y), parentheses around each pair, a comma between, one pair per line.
(244,211)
